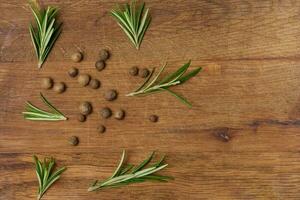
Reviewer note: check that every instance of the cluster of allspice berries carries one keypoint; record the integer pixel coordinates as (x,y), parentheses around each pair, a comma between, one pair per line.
(135,71)
(48,83)
(85,80)
(106,112)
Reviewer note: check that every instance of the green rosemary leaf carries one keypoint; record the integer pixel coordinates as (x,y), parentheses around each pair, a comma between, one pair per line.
(118,170)
(45,175)
(137,175)
(49,105)
(182,99)
(134,21)
(156,77)
(126,169)
(173,79)
(143,164)
(158,178)
(46,31)
(35,114)
(190,75)
(160,161)
(174,76)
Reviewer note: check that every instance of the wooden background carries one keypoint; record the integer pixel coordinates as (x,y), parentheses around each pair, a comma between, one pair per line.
(241,139)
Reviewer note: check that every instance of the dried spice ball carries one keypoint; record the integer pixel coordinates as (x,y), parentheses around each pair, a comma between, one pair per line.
(94,83)
(77,56)
(101,129)
(100,65)
(81,118)
(105,112)
(119,114)
(110,95)
(47,83)
(144,73)
(85,108)
(153,118)
(73,140)
(133,71)
(84,79)
(59,87)
(73,72)
(104,54)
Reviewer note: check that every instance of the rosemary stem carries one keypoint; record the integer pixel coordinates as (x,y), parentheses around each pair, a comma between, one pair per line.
(153,88)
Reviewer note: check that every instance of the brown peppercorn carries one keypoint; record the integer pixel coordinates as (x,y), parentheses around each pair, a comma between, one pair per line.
(105,112)
(94,84)
(133,71)
(153,118)
(81,118)
(110,95)
(77,56)
(47,83)
(85,108)
(84,79)
(100,65)
(59,87)
(144,73)
(101,129)
(73,72)
(104,54)
(73,140)
(119,114)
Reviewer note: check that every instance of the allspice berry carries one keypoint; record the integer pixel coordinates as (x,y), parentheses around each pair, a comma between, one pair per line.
(94,84)
(119,114)
(84,79)
(47,83)
(73,72)
(144,73)
(81,118)
(77,56)
(110,95)
(153,118)
(100,65)
(133,71)
(85,108)
(105,112)
(73,140)
(101,128)
(104,55)
(59,87)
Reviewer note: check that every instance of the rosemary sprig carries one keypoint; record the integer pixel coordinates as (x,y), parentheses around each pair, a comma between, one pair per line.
(134,20)
(34,113)
(175,78)
(127,174)
(46,30)
(45,174)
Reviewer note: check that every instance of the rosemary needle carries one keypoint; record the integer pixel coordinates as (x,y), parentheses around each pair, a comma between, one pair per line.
(45,174)
(36,114)
(127,174)
(46,30)
(134,20)
(153,84)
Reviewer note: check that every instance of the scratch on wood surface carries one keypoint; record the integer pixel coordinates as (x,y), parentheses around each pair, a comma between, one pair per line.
(223,134)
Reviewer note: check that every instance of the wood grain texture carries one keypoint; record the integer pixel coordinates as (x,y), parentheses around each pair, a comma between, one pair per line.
(241,140)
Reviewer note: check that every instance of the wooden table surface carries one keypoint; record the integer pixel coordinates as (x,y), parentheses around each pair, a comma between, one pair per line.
(240,140)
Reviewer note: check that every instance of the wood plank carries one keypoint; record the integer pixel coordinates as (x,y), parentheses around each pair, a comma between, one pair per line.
(239,141)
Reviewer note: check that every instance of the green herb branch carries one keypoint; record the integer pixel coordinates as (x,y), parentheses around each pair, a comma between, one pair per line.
(153,84)
(34,113)
(134,20)
(46,30)
(127,174)
(45,174)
